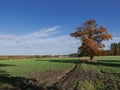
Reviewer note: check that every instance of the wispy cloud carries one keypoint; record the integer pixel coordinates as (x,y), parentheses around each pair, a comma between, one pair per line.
(44,41)
(9,37)
(45,32)
(42,33)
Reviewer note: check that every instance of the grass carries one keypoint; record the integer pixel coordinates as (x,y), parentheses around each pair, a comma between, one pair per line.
(25,67)
(110,64)
(12,72)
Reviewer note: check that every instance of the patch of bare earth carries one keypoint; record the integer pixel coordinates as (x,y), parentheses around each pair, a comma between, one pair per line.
(48,78)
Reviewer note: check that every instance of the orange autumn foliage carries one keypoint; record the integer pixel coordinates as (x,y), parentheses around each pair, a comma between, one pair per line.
(91,36)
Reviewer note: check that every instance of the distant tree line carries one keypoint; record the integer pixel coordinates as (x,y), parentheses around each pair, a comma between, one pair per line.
(114,49)
(20,57)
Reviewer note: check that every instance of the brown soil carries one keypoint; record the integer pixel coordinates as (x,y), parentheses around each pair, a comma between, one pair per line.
(79,73)
(82,77)
(66,80)
(48,78)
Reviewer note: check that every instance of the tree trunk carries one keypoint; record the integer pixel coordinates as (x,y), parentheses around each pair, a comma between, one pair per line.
(91,58)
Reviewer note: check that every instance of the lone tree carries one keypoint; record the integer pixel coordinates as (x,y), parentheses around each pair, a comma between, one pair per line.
(91,36)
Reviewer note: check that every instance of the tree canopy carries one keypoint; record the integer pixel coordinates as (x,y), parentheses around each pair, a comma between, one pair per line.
(91,36)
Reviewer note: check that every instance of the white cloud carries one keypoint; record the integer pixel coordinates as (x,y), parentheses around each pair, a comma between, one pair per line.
(114,39)
(29,46)
(9,37)
(42,33)
(45,32)
(44,41)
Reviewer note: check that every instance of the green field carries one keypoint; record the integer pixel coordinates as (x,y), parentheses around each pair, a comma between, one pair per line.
(25,67)
(109,64)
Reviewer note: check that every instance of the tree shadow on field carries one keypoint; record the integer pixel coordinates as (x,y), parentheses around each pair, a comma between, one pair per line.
(104,63)
(8,82)
(61,61)
(99,62)
(109,61)
(5,65)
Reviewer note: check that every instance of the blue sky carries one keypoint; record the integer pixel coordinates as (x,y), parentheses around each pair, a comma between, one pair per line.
(43,26)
